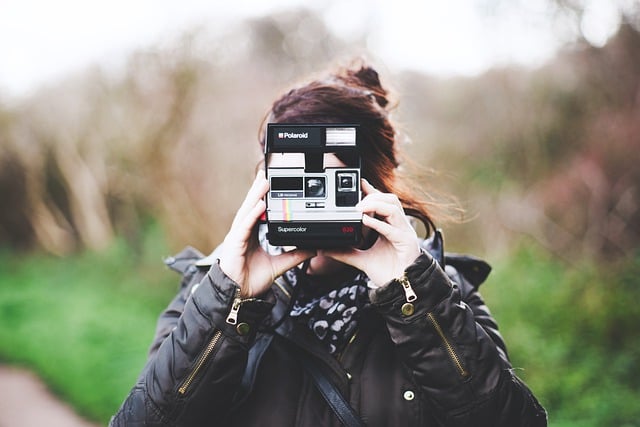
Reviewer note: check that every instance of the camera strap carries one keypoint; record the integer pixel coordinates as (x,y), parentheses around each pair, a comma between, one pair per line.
(330,392)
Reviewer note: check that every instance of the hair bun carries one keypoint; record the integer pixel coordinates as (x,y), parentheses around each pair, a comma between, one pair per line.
(368,78)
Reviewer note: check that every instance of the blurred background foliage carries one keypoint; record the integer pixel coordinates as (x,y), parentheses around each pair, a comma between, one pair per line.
(105,172)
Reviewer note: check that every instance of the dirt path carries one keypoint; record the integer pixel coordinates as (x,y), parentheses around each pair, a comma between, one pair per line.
(26,402)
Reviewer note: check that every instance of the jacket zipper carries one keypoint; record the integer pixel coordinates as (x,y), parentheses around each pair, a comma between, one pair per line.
(411,296)
(204,356)
(284,288)
(232,318)
(452,353)
(409,293)
(351,340)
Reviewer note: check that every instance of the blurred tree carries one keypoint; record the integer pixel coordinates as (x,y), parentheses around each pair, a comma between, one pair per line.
(602,181)
(546,152)
(550,153)
(173,137)
(574,21)
(579,11)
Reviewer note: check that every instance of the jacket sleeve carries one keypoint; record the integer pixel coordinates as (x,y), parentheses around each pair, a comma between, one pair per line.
(454,350)
(198,366)
(184,263)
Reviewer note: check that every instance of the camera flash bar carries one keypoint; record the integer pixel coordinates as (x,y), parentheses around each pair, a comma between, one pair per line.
(341,136)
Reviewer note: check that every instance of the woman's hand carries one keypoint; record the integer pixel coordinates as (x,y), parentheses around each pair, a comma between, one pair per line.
(242,258)
(395,249)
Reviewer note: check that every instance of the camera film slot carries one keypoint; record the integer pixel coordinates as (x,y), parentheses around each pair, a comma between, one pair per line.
(340,137)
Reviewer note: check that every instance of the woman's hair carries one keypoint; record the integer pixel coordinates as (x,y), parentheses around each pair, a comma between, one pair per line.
(355,95)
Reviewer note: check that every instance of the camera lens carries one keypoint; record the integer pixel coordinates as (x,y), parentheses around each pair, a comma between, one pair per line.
(314,187)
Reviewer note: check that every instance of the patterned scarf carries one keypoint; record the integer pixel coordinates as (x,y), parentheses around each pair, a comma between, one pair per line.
(330,312)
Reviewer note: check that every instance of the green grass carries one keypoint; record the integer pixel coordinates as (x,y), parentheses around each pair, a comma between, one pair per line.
(84,324)
(573,335)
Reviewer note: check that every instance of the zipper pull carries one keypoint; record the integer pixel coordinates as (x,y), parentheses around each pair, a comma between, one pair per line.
(408,290)
(232,318)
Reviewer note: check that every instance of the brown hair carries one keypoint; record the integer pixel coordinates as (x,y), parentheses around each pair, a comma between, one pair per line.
(355,95)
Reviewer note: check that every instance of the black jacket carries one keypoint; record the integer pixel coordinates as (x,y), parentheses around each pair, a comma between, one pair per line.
(437,362)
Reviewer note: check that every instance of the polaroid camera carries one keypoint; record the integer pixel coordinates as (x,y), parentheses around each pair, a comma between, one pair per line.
(312,195)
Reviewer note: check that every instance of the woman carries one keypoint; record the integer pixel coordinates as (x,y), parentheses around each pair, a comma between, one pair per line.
(392,335)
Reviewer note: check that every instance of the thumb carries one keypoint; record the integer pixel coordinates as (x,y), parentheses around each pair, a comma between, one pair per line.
(288,260)
(350,256)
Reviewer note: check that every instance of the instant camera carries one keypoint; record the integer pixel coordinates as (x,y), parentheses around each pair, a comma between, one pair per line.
(311,199)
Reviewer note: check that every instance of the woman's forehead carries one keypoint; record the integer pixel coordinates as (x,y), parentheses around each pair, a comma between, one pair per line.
(293,160)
